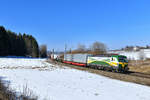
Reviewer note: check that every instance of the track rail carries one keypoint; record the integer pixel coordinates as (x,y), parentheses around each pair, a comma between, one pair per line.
(129,73)
(130,76)
(138,74)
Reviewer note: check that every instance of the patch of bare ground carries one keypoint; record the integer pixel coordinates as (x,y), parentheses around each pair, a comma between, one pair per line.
(140,66)
(139,79)
(7,94)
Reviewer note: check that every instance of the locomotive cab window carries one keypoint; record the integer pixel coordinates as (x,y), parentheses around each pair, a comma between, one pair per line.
(123,59)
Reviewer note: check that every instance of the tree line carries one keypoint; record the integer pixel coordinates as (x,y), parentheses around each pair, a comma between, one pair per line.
(13,44)
(96,48)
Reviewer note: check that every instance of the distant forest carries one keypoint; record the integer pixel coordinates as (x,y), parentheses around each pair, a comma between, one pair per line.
(13,44)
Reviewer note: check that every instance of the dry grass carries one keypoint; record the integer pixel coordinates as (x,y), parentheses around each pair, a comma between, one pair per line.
(140,66)
(8,94)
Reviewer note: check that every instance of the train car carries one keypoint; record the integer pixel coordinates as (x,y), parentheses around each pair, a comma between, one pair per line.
(76,59)
(117,63)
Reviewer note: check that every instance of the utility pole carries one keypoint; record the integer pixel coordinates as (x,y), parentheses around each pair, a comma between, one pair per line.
(65,52)
(65,49)
(53,53)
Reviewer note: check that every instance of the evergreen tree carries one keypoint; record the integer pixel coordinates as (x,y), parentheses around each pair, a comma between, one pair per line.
(4,42)
(17,45)
(35,48)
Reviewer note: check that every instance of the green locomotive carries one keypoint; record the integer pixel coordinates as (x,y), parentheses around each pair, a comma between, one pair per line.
(117,63)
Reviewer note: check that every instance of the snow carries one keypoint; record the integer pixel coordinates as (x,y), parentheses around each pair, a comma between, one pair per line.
(22,63)
(51,82)
(134,55)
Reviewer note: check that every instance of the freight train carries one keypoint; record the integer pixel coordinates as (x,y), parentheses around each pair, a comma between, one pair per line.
(117,63)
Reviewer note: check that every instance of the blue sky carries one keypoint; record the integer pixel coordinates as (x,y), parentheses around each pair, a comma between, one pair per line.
(116,23)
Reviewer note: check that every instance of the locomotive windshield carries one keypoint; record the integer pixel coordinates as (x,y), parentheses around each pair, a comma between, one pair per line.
(123,59)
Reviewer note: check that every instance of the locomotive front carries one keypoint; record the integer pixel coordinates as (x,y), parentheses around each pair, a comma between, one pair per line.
(122,63)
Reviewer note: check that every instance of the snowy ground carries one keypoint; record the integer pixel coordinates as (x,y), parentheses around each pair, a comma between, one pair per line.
(54,83)
(22,63)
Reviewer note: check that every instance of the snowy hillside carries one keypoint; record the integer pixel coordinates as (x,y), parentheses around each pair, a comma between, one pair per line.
(57,83)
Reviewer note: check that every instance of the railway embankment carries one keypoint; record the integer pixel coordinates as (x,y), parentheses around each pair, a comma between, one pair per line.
(131,76)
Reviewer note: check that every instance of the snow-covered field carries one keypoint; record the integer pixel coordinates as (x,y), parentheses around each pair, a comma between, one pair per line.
(51,82)
(22,63)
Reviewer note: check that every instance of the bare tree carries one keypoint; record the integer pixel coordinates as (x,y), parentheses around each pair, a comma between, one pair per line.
(81,47)
(43,51)
(98,48)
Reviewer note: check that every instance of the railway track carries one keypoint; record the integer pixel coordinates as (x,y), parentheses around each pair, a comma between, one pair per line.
(130,76)
(138,74)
